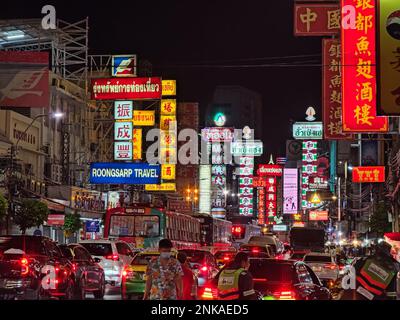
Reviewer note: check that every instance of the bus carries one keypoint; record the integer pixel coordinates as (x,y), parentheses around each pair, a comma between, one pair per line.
(214,232)
(144,227)
(243,228)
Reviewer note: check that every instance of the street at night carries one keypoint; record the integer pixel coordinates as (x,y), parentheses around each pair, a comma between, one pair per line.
(206,151)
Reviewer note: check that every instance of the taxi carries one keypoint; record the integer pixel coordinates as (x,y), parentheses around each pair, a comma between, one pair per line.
(134,275)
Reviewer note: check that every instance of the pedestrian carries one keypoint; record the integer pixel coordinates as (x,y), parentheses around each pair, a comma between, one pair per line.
(235,282)
(376,276)
(164,275)
(189,279)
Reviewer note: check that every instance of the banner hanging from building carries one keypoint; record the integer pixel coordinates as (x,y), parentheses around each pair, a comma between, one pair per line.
(126,88)
(24,79)
(359,73)
(332,90)
(290,191)
(368,174)
(388,62)
(124,173)
(316,19)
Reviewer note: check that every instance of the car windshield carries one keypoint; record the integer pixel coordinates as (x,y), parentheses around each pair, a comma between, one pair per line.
(98,249)
(318,259)
(270,270)
(66,251)
(194,256)
(30,245)
(143,259)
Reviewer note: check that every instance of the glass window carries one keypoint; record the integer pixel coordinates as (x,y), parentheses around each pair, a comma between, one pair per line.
(122,225)
(303,275)
(147,226)
(271,270)
(317,258)
(98,249)
(52,249)
(143,259)
(123,249)
(30,245)
(81,254)
(66,252)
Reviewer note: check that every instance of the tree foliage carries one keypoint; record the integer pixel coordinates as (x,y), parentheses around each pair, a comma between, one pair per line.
(72,224)
(30,213)
(3,207)
(379,222)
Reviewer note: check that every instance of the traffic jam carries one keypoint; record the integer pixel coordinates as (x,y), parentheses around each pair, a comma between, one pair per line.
(295,265)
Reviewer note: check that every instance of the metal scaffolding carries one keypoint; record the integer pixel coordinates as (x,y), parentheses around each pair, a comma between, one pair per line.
(68,44)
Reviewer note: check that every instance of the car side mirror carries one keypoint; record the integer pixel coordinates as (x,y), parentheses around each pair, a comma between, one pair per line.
(97,260)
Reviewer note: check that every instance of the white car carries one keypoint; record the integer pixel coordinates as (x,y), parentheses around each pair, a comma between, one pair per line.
(114,256)
(323,264)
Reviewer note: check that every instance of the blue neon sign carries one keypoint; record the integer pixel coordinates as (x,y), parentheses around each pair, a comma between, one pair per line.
(124,173)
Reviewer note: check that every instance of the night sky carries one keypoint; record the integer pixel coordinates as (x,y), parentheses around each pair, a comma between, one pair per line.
(177,36)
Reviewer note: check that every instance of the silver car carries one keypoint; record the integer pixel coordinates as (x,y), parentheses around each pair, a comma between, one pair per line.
(114,256)
(323,264)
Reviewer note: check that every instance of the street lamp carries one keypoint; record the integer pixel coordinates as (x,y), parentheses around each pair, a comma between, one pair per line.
(13,153)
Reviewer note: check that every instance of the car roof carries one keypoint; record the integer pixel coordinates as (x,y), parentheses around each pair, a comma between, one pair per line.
(276,261)
(321,254)
(100,241)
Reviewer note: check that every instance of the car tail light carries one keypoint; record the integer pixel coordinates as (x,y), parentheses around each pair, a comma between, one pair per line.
(330,266)
(226,258)
(341,267)
(285,295)
(24,266)
(259,279)
(113,257)
(126,273)
(74,267)
(204,269)
(209,294)
(255,250)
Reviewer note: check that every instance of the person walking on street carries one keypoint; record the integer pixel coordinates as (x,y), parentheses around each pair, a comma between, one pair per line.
(164,275)
(235,282)
(189,279)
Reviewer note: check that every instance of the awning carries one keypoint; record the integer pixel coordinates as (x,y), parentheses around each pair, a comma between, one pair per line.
(53,205)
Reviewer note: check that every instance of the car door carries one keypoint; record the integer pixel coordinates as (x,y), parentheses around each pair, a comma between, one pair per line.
(93,272)
(304,286)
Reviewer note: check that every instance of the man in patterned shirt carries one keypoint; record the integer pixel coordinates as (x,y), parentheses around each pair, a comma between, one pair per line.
(164,275)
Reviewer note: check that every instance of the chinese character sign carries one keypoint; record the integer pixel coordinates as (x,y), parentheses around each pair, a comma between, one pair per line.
(123,110)
(137,144)
(316,19)
(359,72)
(270,203)
(123,151)
(368,174)
(123,131)
(168,107)
(261,205)
(332,90)
(168,172)
(388,62)
(309,168)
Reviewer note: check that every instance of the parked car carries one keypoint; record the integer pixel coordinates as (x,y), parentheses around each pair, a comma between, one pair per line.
(324,265)
(114,256)
(286,280)
(203,264)
(33,267)
(89,275)
(134,275)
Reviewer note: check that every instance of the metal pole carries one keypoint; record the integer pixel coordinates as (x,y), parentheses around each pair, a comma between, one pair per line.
(339,200)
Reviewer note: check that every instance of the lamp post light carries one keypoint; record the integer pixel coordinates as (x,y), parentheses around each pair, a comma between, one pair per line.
(13,154)
(192,196)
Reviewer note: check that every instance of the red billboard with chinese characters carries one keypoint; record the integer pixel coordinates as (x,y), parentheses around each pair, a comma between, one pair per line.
(316,19)
(259,182)
(273,170)
(24,79)
(359,72)
(332,90)
(318,216)
(126,88)
(368,174)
